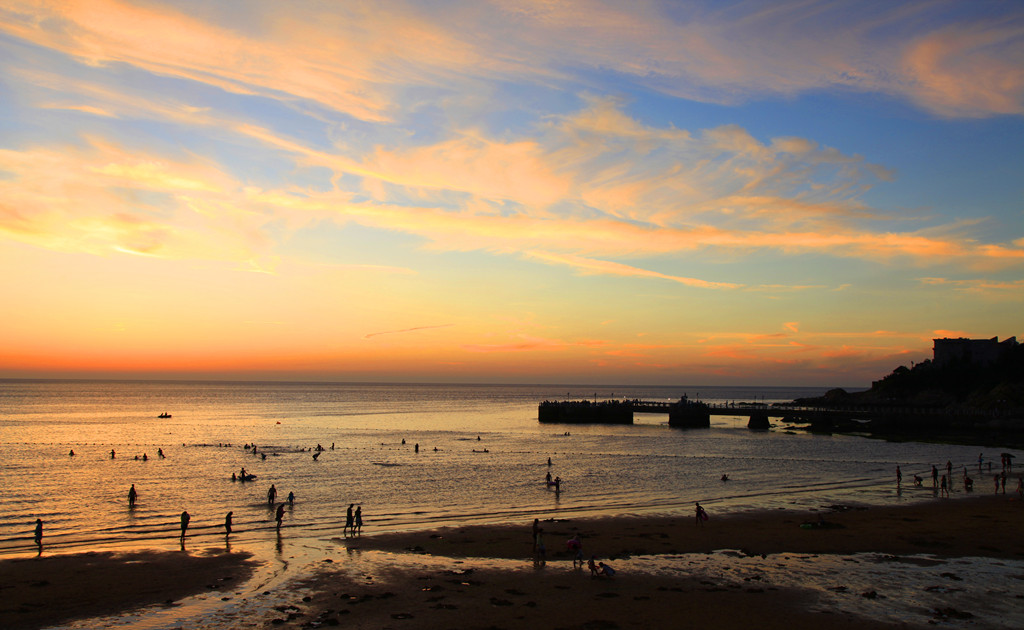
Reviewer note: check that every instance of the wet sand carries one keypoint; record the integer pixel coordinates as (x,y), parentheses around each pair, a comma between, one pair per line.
(985,526)
(467,593)
(43,591)
(484,576)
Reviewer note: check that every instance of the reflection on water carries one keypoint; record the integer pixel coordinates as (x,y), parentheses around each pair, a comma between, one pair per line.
(369,434)
(482,458)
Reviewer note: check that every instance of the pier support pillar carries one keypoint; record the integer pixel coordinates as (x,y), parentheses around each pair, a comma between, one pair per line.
(758,421)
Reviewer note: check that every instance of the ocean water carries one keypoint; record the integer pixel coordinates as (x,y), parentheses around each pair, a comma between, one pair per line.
(482,458)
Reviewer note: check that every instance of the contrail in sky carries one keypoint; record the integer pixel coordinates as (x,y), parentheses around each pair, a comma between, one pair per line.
(404,330)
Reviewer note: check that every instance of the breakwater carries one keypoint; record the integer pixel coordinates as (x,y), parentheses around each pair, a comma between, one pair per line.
(682,413)
(688,413)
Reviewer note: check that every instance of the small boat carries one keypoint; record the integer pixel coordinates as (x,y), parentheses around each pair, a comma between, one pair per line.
(164,415)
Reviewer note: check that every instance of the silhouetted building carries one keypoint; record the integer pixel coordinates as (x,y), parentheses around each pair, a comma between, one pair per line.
(980,352)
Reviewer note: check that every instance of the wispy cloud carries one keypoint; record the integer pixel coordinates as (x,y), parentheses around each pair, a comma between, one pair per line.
(604,267)
(406,330)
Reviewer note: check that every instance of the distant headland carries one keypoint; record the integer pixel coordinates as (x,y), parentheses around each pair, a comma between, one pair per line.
(971,390)
(969,386)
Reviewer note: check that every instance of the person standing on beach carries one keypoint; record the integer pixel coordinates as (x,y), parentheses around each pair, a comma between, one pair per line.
(271,495)
(349,520)
(112,453)
(540,553)
(576,545)
(132,496)
(280,516)
(227,523)
(700,514)
(533,536)
(899,475)
(359,519)
(185,518)
(945,490)
(935,476)
(39,534)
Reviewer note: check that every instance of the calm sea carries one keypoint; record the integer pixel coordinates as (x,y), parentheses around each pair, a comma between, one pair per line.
(482,458)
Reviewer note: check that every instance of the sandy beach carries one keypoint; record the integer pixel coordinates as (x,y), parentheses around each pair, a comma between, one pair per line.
(44,591)
(486,577)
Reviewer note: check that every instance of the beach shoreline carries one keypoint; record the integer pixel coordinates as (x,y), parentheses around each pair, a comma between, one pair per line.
(486,574)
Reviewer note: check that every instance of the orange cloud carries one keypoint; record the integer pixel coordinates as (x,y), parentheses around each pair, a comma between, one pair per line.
(968,69)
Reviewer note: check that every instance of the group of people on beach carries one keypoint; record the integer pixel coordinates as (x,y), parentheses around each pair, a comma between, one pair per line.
(353,520)
(942,484)
(575,547)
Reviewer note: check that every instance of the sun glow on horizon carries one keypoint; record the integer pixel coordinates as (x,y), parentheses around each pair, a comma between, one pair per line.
(525,192)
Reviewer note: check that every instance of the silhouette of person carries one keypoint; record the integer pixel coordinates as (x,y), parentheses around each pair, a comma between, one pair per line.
(359,519)
(935,476)
(271,494)
(899,475)
(575,545)
(700,514)
(349,519)
(111,453)
(280,515)
(71,453)
(227,523)
(132,496)
(291,498)
(39,534)
(185,518)
(417,447)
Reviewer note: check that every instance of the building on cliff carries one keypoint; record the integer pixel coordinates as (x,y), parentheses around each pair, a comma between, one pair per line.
(979,352)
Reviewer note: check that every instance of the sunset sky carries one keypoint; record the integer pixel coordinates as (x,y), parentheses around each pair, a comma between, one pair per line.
(638,192)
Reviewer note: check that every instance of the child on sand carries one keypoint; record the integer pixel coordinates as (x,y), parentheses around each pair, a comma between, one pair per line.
(576,547)
(700,514)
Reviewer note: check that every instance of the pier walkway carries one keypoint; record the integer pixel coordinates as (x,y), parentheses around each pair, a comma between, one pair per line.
(692,413)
